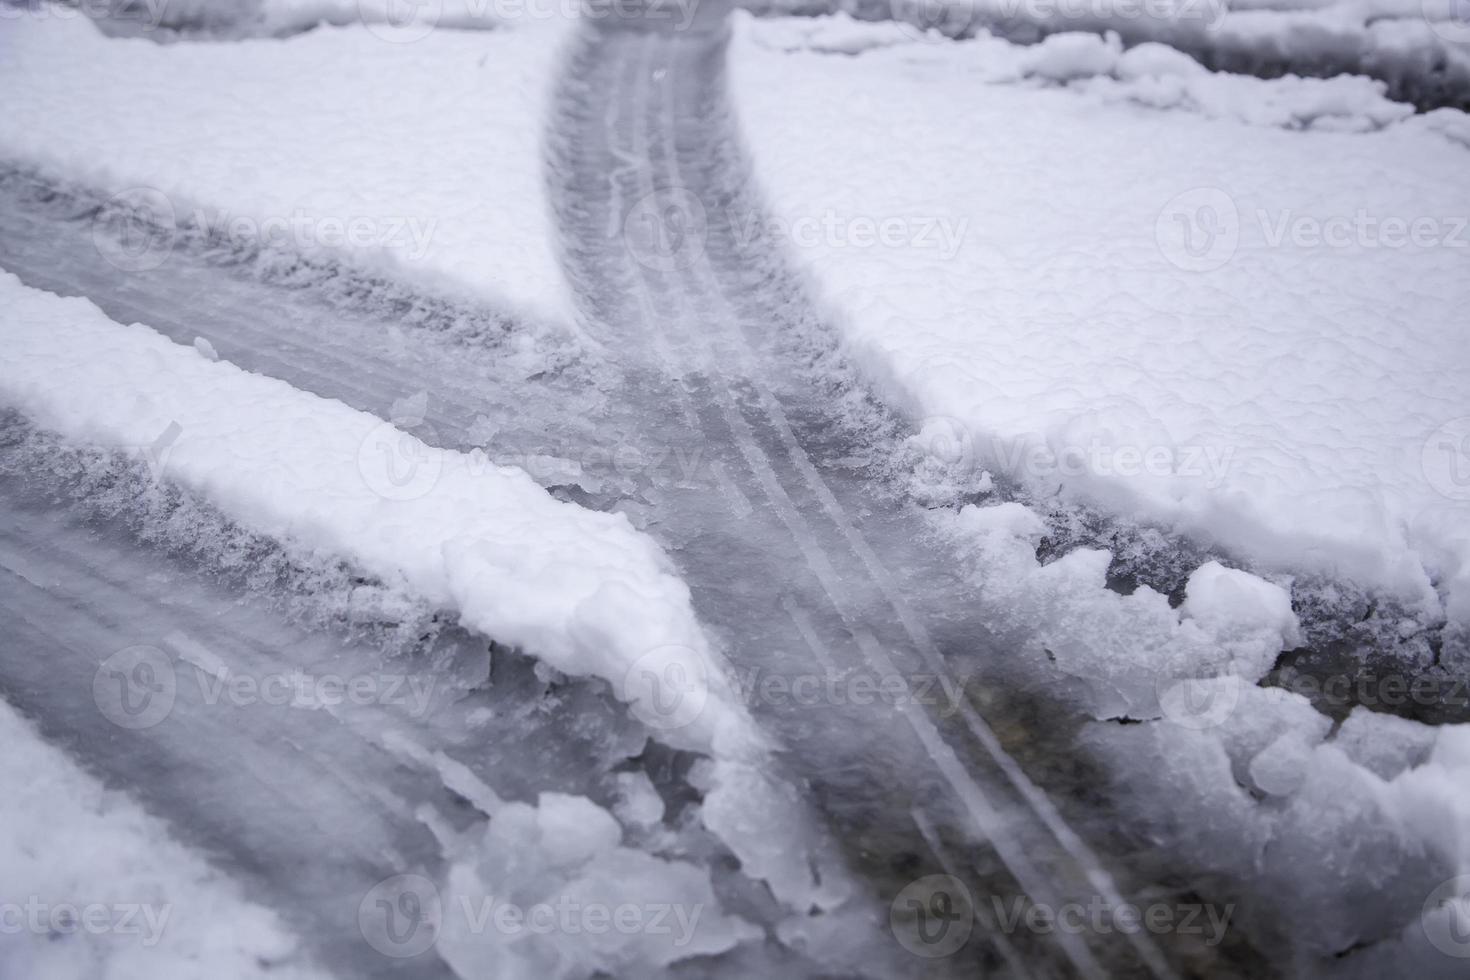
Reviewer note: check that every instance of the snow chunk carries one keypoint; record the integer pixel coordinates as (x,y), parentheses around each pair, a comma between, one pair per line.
(1250,616)
(545,895)
(1073,54)
(1129,653)
(638,803)
(1155,61)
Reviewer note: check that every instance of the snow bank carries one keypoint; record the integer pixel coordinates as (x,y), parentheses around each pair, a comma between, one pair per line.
(422,158)
(1417,48)
(580,589)
(1339,839)
(1149,74)
(1224,330)
(1347,843)
(94,888)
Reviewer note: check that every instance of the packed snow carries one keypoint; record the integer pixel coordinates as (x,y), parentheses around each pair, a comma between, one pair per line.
(96,889)
(337,142)
(580,589)
(1248,335)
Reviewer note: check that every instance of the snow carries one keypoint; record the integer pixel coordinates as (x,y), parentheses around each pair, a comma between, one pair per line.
(1418,47)
(579,589)
(1338,837)
(141,905)
(1126,651)
(549,891)
(1282,383)
(418,159)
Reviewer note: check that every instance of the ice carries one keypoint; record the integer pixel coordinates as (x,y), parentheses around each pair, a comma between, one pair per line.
(336,142)
(72,849)
(586,904)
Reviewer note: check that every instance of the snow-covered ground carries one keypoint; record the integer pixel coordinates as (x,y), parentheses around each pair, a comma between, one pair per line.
(582,589)
(337,142)
(1064,261)
(97,889)
(1225,306)
(1193,317)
